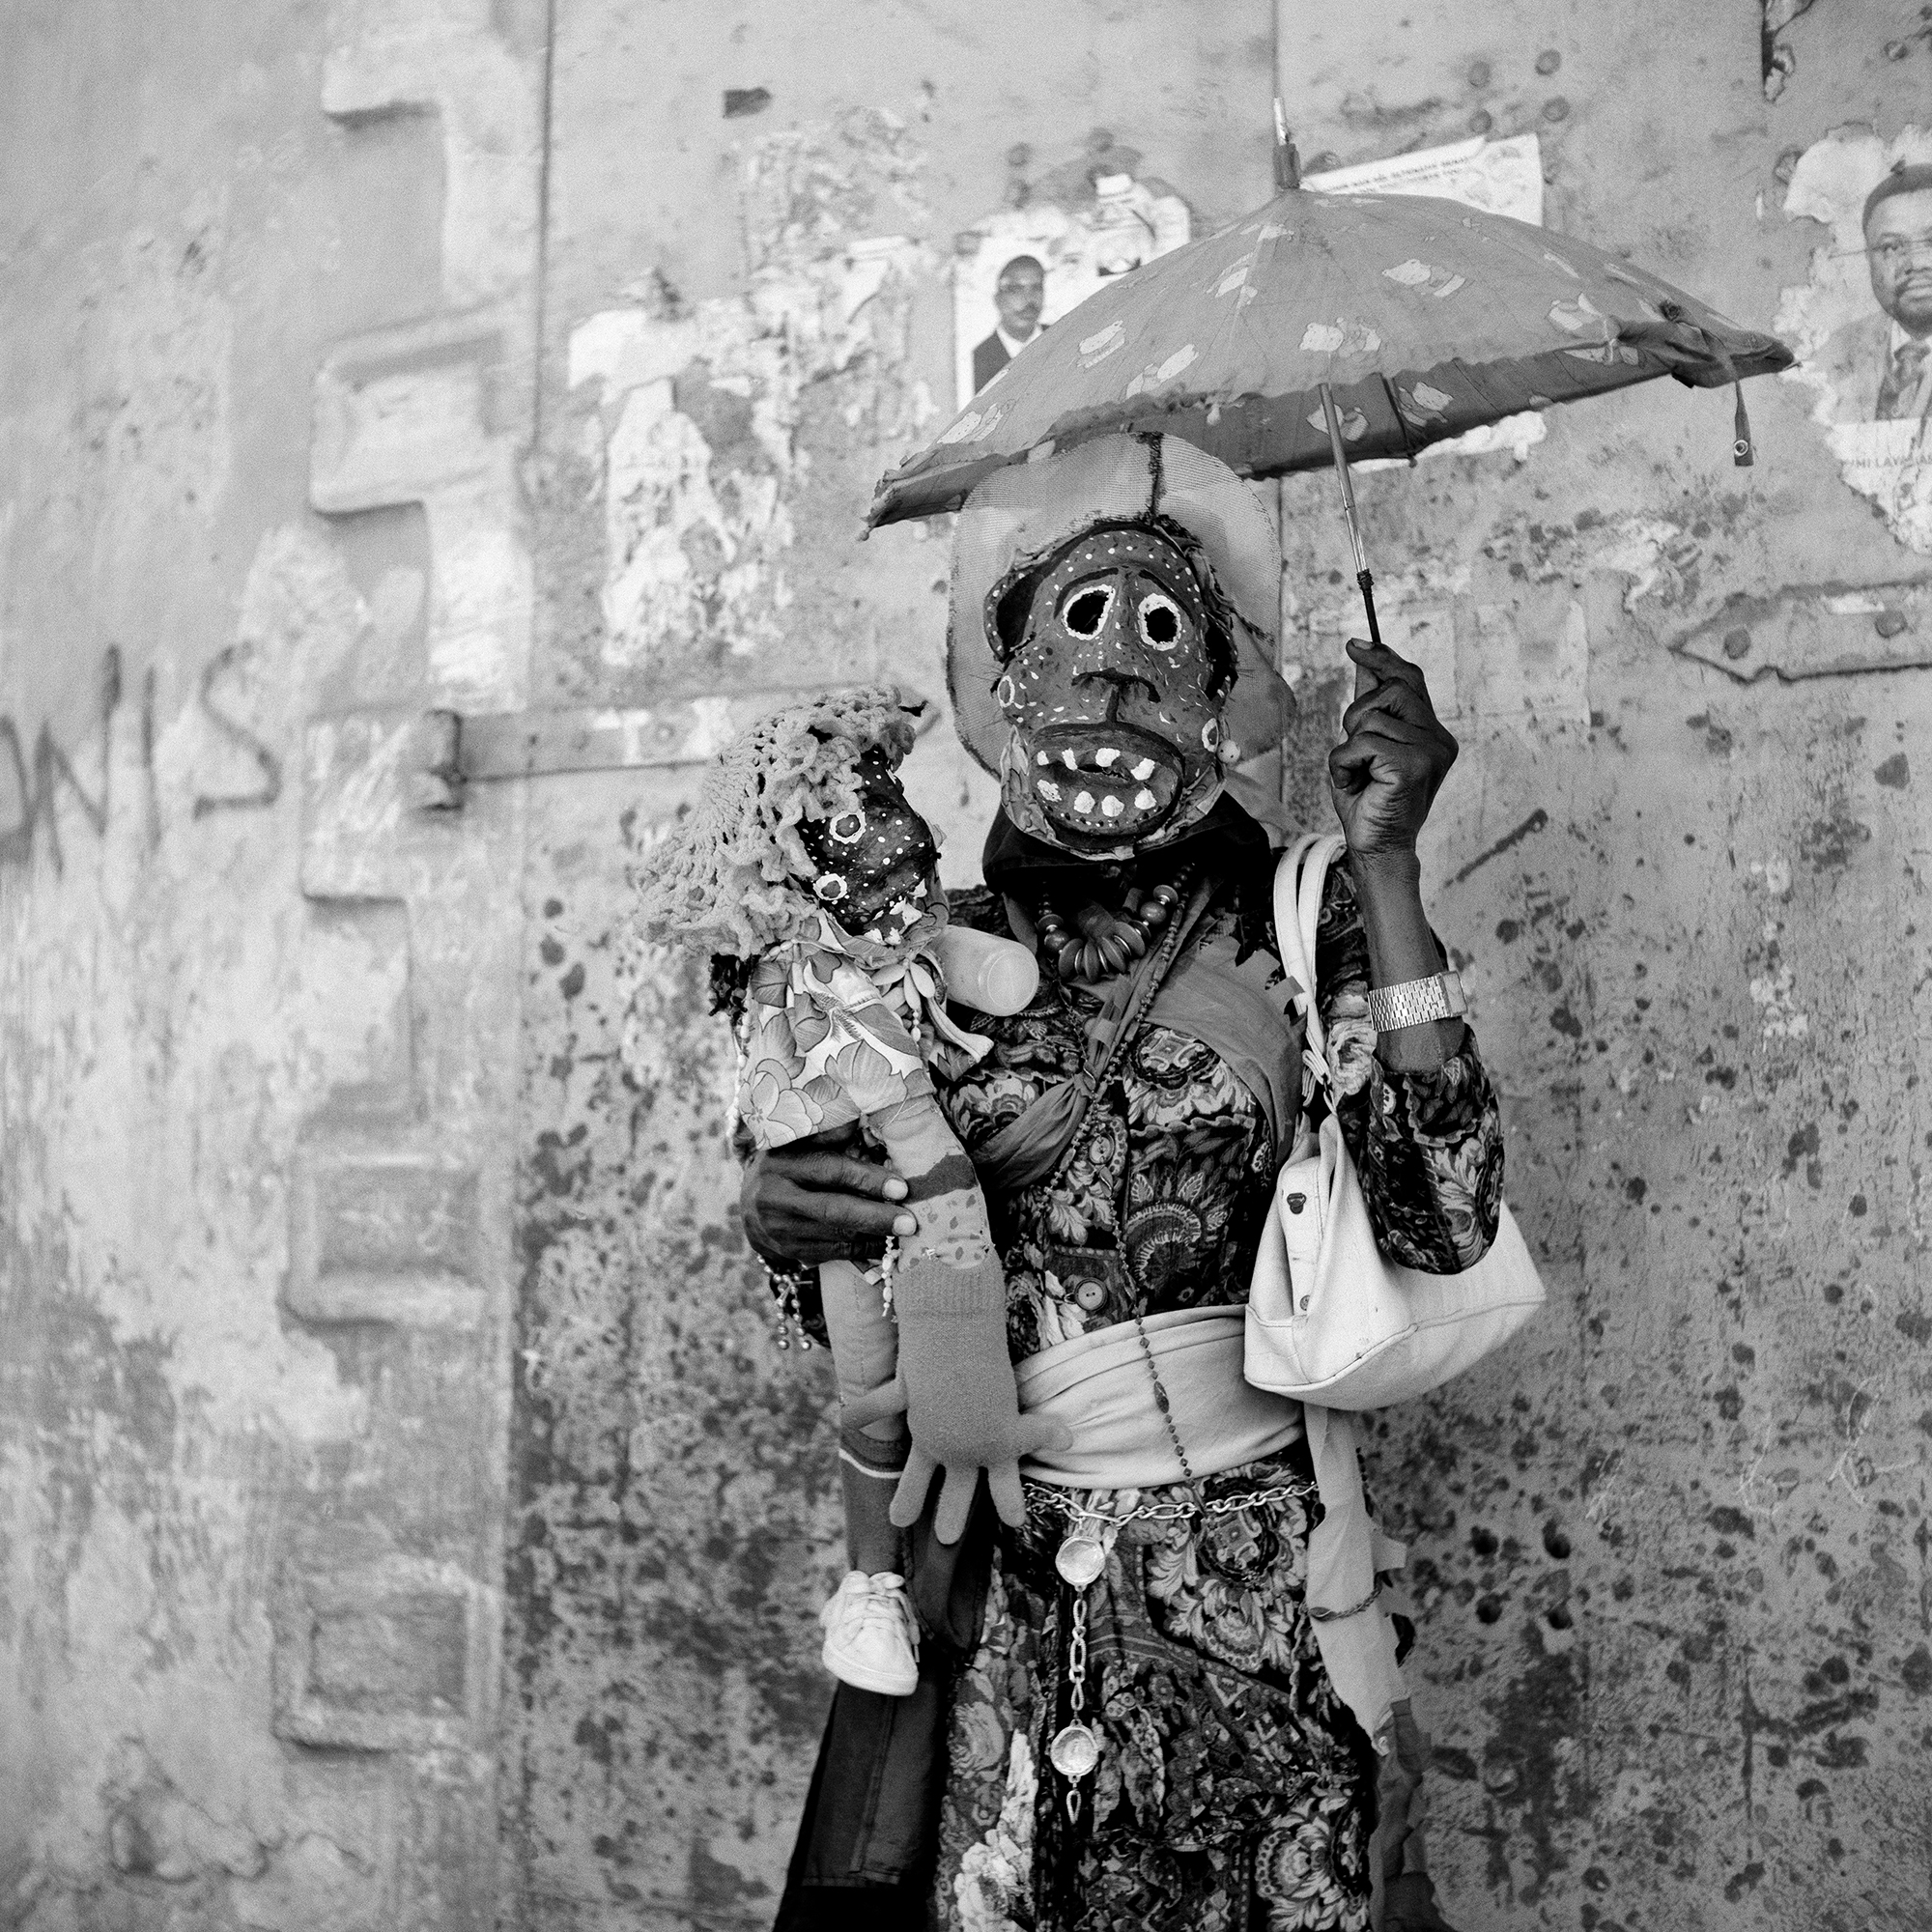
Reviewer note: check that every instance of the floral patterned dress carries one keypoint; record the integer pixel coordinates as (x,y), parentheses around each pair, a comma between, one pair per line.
(1234,1790)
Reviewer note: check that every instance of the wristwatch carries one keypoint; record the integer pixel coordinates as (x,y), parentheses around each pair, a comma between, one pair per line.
(1417,1002)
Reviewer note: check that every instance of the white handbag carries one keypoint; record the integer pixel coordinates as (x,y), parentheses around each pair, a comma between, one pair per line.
(1331,1320)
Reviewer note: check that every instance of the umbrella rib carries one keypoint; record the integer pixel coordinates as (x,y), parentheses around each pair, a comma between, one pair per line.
(1400,421)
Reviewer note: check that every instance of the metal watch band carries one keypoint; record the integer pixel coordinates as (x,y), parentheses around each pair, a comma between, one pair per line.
(1417,1002)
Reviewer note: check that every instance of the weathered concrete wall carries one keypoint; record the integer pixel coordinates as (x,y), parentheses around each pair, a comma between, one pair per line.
(365,1183)
(1674,1551)
(267,316)
(1671,1549)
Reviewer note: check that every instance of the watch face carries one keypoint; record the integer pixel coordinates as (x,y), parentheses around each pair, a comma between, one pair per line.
(878,862)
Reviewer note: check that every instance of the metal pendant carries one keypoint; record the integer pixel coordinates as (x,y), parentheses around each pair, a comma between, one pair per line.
(1082,1557)
(1074,1751)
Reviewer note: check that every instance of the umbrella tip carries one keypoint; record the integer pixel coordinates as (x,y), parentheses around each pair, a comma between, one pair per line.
(1287,162)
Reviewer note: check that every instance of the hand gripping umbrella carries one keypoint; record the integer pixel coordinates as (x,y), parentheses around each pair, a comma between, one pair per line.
(1325,326)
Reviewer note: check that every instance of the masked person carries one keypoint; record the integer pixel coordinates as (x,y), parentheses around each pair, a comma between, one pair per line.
(1128,1715)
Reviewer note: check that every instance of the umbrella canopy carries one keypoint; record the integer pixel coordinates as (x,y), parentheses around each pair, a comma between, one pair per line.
(1423,317)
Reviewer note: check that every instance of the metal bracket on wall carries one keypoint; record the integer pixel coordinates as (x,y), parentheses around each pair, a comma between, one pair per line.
(1817,629)
(455,752)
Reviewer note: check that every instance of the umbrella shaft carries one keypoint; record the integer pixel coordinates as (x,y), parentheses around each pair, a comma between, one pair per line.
(1341,456)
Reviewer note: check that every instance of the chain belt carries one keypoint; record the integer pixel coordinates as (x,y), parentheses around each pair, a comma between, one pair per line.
(1045,1499)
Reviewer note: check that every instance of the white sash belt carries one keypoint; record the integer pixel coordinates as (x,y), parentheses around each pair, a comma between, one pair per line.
(1098,1385)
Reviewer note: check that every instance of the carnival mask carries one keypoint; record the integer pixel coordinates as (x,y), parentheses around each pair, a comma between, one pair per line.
(877,860)
(1114,688)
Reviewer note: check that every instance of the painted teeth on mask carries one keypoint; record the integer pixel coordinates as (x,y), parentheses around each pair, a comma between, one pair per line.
(1143,771)
(1111,807)
(1049,791)
(1070,759)
(1144,800)
(1084,803)
(1106,756)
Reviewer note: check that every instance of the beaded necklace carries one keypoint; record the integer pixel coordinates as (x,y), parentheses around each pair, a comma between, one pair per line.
(1107,943)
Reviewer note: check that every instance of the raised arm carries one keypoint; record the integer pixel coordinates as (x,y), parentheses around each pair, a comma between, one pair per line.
(1416,1104)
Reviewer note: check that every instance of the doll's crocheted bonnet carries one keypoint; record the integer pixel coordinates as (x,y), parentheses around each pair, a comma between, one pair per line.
(727,877)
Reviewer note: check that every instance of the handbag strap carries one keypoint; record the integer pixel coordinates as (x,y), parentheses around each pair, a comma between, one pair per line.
(1299,881)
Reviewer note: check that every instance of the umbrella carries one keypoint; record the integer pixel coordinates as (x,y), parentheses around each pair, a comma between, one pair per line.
(1325,326)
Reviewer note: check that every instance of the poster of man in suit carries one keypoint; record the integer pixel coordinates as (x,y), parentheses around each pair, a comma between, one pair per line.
(1881,364)
(1862,325)
(1018,296)
(1017,272)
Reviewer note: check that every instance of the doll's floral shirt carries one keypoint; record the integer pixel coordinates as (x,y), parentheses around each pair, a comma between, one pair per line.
(1234,1789)
(830,1030)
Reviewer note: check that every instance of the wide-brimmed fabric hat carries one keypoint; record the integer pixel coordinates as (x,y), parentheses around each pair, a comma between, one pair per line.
(1022,514)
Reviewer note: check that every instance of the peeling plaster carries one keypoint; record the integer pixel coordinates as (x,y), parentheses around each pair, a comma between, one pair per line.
(698,411)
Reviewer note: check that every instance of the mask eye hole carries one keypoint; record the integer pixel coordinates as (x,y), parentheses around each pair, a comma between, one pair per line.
(829,887)
(1160,621)
(847,827)
(1086,610)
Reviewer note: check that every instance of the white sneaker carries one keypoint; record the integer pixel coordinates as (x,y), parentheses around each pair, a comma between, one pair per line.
(871,1636)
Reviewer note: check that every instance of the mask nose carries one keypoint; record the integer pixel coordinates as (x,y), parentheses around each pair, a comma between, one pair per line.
(1099,618)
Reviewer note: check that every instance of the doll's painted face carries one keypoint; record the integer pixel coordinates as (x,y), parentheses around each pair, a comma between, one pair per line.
(877,860)
(1115,693)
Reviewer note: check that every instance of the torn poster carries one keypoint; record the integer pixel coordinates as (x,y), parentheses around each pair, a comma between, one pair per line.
(1020,270)
(1862,323)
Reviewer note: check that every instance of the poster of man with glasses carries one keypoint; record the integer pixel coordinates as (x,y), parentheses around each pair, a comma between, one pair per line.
(1881,364)
(1864,322)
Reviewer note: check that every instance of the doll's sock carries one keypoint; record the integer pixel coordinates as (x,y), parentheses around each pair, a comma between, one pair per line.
(868,1473)
(865,1340)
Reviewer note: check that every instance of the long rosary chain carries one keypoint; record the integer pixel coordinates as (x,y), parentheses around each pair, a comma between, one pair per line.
(1160,1398)
(1075,1750)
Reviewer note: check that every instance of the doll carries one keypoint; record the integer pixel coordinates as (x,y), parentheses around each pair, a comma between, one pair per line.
(804,861)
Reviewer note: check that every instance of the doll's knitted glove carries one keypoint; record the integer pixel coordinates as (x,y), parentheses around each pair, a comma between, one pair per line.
(956,1384)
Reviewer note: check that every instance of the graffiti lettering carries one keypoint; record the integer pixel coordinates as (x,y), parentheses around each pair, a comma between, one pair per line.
(271,787)
(52,766)
(38,781)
